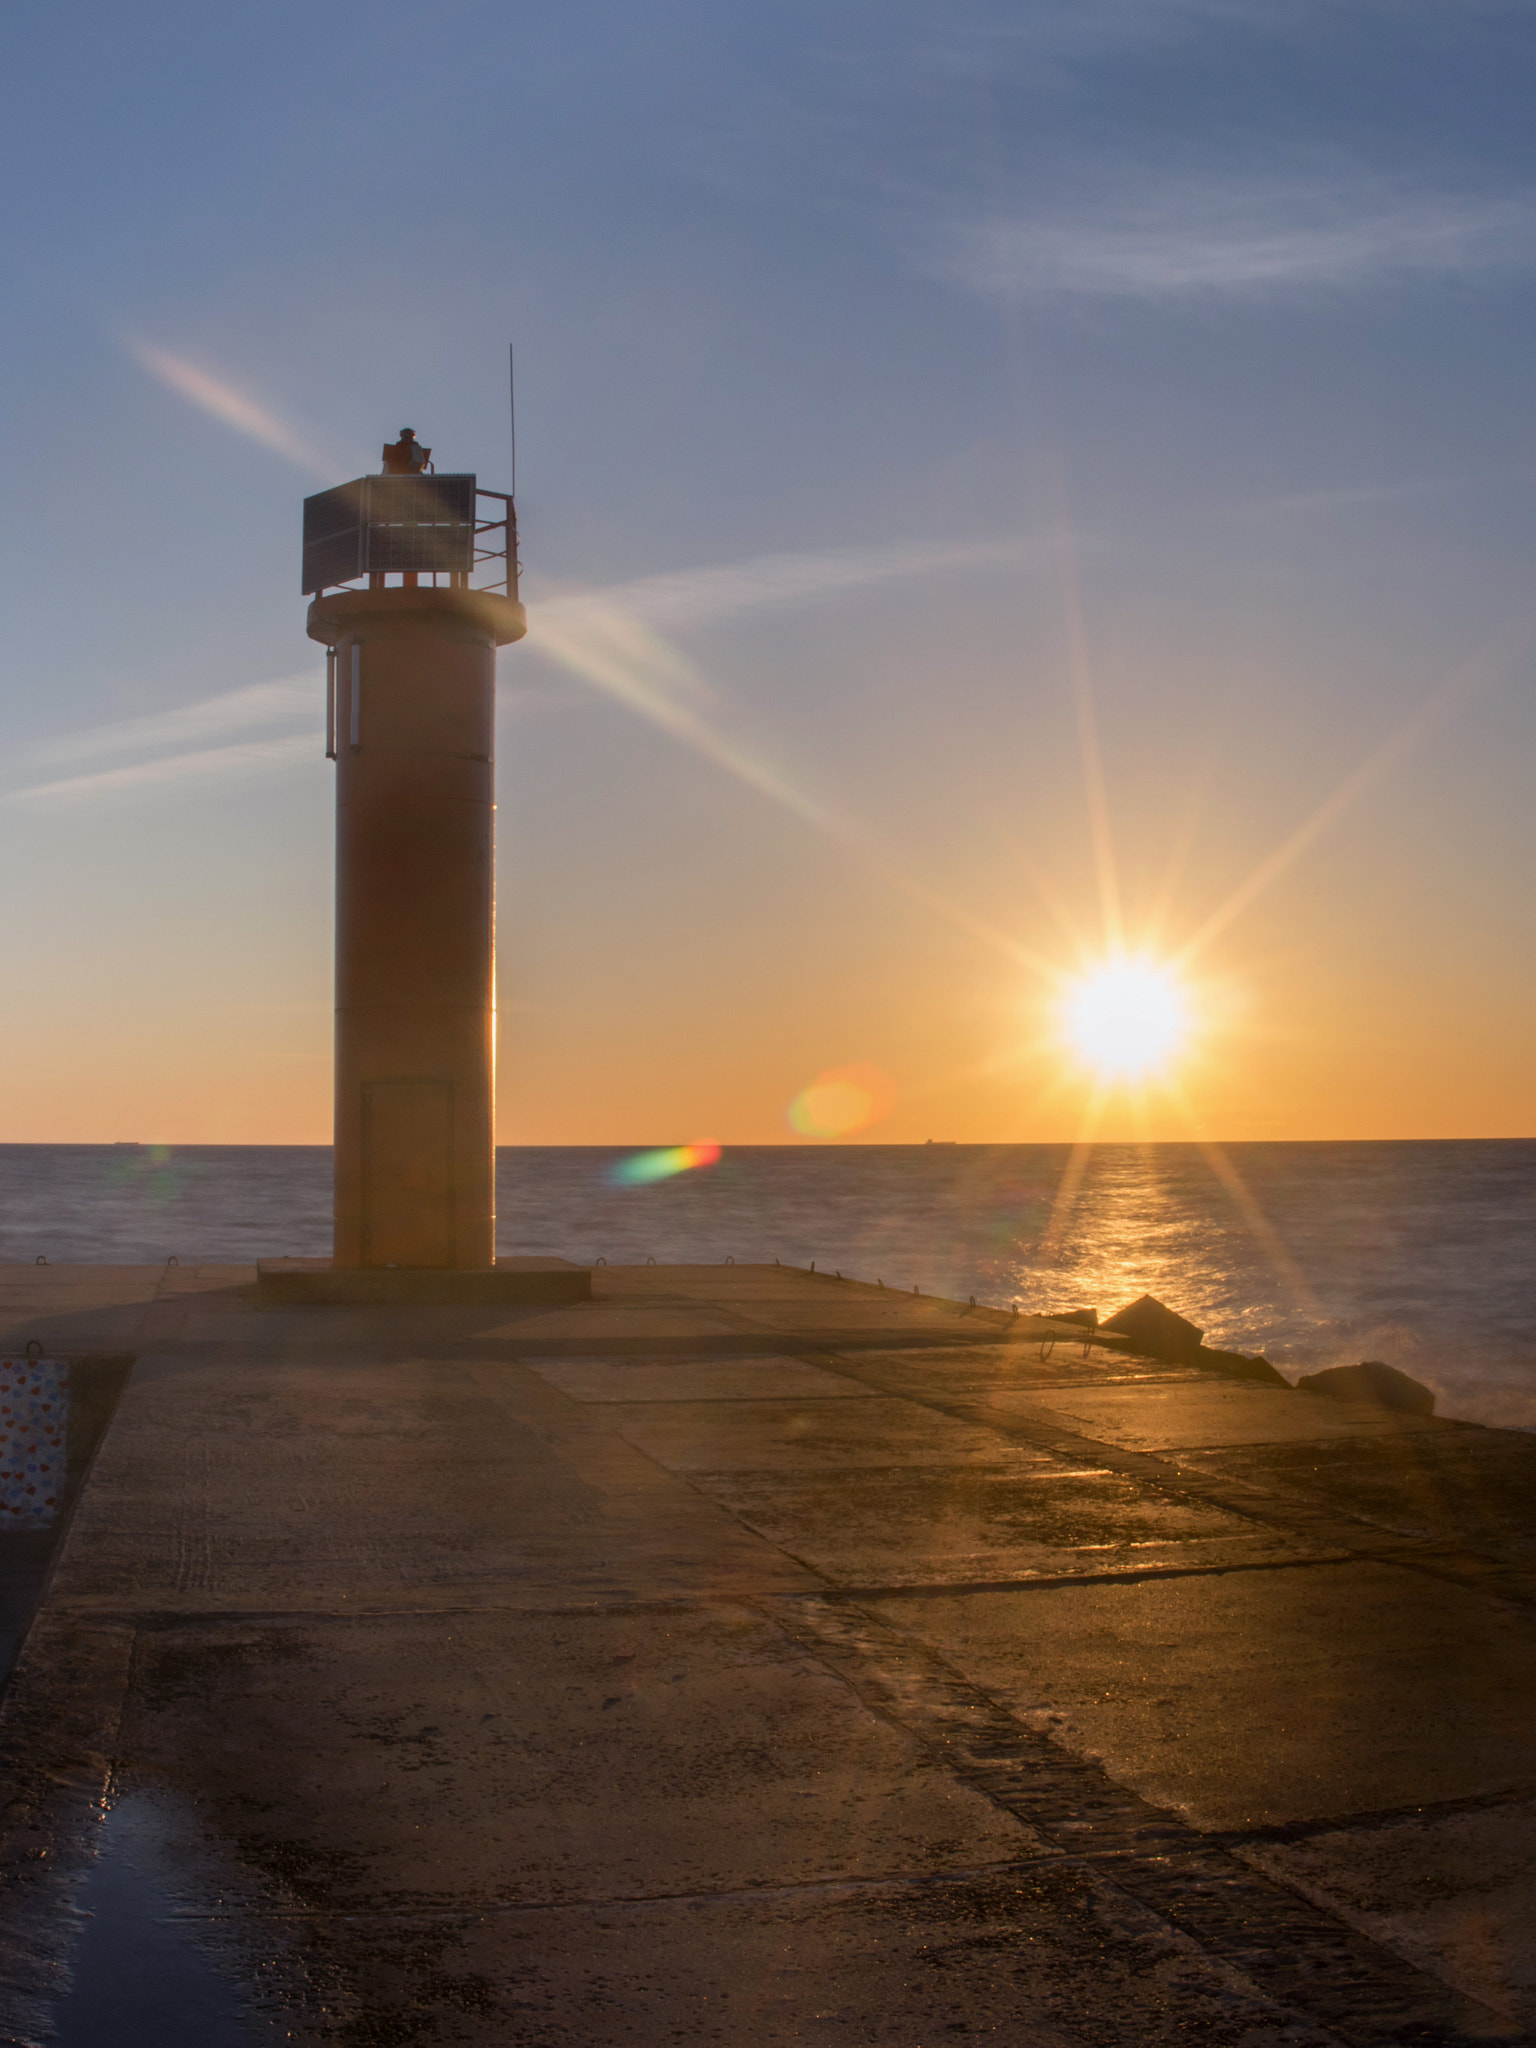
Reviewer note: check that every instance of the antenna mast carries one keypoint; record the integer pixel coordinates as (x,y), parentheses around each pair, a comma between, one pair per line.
(513,565)
(512,406)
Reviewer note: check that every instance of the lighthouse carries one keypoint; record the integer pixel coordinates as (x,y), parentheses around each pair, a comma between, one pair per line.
(413,581)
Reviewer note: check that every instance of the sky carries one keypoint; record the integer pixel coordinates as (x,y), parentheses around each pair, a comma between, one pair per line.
(1004,487)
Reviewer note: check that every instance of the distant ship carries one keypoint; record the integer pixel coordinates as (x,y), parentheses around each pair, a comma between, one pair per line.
(941,1141)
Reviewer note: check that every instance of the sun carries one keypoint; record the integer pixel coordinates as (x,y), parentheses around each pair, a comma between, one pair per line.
(1126,1019)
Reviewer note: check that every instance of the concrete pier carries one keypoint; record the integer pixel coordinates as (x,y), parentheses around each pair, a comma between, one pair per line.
(744,1656)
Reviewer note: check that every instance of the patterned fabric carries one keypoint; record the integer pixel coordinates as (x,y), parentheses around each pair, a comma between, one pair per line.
(34,1420)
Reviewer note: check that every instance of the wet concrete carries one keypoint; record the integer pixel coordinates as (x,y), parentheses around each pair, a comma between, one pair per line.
(139,1978)
(1251,1698)
(750,1657)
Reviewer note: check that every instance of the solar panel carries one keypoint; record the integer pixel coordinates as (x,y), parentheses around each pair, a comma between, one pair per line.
(333,535)
(378,524)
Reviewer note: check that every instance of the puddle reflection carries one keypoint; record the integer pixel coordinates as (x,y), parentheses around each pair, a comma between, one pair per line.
(140,1978)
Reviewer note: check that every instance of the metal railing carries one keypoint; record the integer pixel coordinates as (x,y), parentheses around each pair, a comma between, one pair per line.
(506,554)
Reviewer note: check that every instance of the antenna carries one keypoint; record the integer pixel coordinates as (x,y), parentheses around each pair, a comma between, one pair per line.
(513,565)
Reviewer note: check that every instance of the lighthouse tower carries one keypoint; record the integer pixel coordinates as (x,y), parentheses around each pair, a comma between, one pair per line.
(413,577)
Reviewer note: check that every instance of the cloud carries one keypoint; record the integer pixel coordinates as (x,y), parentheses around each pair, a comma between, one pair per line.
(613,637)
(172,772)
(289,700)
(1054,38)
(234,408)
(699,597)
(1347,498)
(175,737)
(1216,238)
(610,639)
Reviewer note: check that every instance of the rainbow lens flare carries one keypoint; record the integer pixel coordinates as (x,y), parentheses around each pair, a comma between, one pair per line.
(841,1100)
(643,1167)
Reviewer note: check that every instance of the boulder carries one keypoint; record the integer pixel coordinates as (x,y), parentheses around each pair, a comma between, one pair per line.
(1156,1331)
(1382,1385)
(1237,1365)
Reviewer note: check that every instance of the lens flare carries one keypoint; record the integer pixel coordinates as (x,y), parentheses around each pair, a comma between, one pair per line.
(1126,1019)
(233,407)
(841,1100)
(643,1167)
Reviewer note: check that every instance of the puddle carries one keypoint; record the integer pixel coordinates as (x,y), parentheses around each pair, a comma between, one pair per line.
(140,1978)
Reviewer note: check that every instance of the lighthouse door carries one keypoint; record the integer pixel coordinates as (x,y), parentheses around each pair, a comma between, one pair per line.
(408,1173)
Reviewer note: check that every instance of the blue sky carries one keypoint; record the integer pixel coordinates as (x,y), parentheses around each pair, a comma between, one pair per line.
(992,477)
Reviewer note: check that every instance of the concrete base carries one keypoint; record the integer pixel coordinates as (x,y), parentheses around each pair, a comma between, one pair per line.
(414,1691)
(315,1282)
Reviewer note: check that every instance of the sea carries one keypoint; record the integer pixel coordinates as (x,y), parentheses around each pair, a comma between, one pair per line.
(1419,1253)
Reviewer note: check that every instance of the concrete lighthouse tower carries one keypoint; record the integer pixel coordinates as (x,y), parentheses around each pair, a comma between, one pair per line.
(413,577)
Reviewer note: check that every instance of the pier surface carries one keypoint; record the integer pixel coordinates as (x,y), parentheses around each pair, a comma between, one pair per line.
(750,1656)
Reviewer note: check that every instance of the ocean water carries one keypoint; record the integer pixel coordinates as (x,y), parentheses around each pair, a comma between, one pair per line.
(1423,1254)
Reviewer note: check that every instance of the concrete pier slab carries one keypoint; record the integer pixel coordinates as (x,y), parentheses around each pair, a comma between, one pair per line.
(1454,1891)
(797,1436)
(1192,1415)
(903,1525)
(627,1382)
(747,1656)
(346,1485)
(551,1756)
(312,1282)
(1252,1698)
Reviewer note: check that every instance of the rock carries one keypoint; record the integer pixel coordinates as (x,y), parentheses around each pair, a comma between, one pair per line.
(1087,1317)
(1382,1385)
(1236,1365)
(1156,1332)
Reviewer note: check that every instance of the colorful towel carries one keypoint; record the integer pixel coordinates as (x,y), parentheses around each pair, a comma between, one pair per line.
(34,1421)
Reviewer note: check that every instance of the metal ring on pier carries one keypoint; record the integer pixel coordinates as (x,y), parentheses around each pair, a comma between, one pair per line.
(599,1262)
(38,1342)
(729,1260)
(173,1260)
(650,1262)
(39,1260)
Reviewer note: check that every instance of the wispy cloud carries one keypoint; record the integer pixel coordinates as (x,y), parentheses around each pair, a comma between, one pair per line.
(1348,497)
(1053,43)
(173,772)
(290,700)
(699,597)
(611,639)
(235,408)
(177,740)
(1078,29)
(1220,237)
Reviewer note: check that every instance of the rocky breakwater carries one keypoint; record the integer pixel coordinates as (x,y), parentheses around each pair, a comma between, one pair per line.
(1150,1329)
